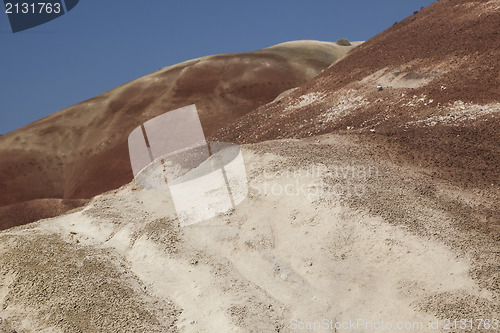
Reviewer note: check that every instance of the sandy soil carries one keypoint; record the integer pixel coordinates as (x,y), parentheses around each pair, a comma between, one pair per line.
(331,229)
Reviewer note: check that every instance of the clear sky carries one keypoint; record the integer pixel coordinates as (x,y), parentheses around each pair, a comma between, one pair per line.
(101,44)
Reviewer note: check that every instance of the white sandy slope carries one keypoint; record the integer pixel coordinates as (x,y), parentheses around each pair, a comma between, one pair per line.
(276,260)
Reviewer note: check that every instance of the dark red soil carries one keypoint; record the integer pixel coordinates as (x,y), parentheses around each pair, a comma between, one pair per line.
(460,40)
(29,211)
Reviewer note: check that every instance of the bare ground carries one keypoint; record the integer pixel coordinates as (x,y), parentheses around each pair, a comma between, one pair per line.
(355,236)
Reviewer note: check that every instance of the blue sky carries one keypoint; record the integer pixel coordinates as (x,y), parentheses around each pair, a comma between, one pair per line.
(101,44)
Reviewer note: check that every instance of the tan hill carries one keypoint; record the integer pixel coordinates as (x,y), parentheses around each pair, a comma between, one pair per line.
(82,151)
(427,90)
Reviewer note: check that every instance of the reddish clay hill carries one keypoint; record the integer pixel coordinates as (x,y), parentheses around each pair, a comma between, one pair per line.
(53,164)
(427,91)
